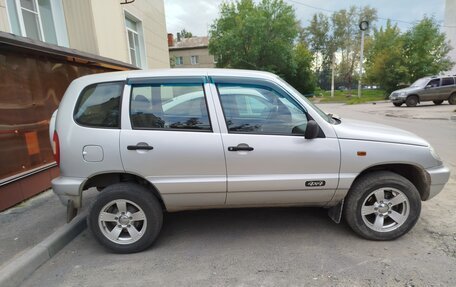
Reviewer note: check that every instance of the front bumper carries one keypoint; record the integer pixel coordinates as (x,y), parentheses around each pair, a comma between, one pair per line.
(397,99)
(439,177)
(68,188)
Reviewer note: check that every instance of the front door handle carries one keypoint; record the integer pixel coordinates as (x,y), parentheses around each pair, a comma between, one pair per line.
(140,147)
(240,147)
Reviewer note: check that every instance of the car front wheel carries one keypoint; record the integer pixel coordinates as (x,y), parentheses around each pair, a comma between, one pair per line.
(125,218)
(411,101)
(382,206)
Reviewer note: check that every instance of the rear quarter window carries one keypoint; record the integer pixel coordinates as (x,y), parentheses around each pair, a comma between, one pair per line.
(99,105)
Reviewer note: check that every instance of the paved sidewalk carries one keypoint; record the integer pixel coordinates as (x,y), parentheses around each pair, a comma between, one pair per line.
(28,223)
(424,111)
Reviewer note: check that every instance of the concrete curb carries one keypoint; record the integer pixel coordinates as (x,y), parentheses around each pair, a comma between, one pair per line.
(18,269)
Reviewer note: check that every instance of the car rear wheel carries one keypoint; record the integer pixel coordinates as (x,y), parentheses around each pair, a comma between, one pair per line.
(411,101)
(439,102)
(382,206)
(125,218)
(397,104)
(452,99)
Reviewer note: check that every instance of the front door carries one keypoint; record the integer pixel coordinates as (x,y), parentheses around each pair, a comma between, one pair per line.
(268,159)
(170,139)
(432,91)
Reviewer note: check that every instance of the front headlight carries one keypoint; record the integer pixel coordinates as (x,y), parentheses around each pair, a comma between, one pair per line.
(435,155)
(401,94)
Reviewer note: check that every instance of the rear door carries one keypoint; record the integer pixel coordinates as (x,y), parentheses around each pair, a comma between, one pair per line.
(269,162)
(170,136)
(446,88)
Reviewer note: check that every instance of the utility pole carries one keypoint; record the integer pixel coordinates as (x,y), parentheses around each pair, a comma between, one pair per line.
(333,64)
(363,26)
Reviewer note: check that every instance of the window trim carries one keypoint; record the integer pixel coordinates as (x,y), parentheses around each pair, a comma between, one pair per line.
(58,18)
(149,82)
(194,57)
(180,57)
(141,37)
(21,19)
(120,106)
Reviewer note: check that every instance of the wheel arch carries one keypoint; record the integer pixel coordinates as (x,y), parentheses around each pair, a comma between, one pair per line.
(414,95)
(100,181)
(415,174)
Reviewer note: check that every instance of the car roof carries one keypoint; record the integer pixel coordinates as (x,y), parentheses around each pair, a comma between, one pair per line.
(123,75)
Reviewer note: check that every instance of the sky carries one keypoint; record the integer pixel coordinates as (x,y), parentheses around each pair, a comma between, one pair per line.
(196,16)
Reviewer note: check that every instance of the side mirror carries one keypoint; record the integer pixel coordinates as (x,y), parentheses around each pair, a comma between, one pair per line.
(428,86)
(312,130)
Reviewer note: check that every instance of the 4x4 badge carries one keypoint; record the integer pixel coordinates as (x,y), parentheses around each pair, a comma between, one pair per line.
(315,183)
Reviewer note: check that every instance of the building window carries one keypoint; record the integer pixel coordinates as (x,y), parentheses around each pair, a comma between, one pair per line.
(135,41)
(179,61)
(39,20)
(194,60)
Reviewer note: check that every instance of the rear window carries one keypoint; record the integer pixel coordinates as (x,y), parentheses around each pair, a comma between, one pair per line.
(99,105)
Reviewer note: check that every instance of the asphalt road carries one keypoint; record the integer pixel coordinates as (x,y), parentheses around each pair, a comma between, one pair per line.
(283,246)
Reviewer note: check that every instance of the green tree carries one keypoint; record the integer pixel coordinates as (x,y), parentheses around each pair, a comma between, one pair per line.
(385,64)
(185,34)
(394,58)
(301,76)
(255,36)
(426,50)
(347,37)
(337,35)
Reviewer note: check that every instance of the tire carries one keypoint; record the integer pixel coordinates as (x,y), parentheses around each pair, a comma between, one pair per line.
(397,104)
(372,217)
(452,99)
(131,231)
(439,102)
(411,101)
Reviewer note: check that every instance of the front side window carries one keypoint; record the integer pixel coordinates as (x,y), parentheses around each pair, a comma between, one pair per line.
(260,110)
(434,83)
(169,106)
(135,41)
(99,105)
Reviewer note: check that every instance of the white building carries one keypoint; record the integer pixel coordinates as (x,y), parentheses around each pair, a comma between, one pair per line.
(127,31)
(450,29)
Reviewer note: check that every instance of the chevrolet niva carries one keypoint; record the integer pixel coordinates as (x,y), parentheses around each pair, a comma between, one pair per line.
(172,140)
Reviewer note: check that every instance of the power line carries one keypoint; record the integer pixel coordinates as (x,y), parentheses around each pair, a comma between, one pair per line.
(381,18)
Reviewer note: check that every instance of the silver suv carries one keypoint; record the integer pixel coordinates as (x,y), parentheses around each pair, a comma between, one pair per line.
(436,89)
(171,140)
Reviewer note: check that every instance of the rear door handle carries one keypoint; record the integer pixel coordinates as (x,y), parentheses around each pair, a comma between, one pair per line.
(140,147)
(240,147)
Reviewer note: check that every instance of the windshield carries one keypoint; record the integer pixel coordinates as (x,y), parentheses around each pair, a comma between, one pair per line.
(317,109)
(420,83)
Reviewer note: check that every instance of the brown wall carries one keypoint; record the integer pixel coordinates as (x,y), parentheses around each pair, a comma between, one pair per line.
(205,60)
(31,87)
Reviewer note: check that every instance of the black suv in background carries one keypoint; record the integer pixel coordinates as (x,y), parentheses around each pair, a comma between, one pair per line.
(436,89)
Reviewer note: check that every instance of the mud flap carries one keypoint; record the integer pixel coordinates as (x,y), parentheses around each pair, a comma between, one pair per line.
(71,211)
(335,212)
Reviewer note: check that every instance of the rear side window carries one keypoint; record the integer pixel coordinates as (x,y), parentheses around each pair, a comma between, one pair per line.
(169,107)
(99,105)
(447,81)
